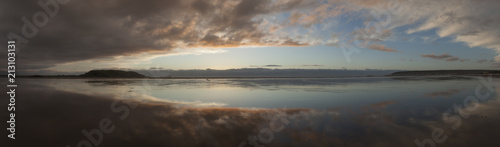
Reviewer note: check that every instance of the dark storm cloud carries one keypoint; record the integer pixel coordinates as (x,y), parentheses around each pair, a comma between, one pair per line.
(91,29)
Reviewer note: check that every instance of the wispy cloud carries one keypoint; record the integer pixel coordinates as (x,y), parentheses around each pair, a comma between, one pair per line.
(272,65)
(313,65)
(444,56)
(453,59)
(269,65)
(438,57)
(481,61)
(460,20)
(381,47)
(484,60)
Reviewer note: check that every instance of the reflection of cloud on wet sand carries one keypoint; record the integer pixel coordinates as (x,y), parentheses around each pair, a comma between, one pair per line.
(293,84)
(381,105)
(447,93)
(476,127)
(57,118)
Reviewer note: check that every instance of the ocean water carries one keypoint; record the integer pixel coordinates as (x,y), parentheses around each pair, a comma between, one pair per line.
(357,111)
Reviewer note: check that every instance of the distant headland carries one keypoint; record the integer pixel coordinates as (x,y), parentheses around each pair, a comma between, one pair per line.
(112,74)
(446,73)
(267,73)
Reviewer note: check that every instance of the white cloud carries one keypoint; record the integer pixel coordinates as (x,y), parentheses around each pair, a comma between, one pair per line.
(474,22)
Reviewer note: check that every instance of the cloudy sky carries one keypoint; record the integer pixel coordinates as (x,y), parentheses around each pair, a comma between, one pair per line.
(80,35)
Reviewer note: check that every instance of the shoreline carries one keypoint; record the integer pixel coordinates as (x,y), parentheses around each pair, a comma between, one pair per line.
(393,76)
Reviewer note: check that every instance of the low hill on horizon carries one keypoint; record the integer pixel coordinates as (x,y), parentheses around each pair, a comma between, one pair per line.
(264,72)
(113,74)
(444,72)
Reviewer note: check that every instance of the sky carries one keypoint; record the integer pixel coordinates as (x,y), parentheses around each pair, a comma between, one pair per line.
(55,36)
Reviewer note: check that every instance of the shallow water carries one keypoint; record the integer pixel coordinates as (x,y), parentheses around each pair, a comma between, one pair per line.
(376,111)
(273,93)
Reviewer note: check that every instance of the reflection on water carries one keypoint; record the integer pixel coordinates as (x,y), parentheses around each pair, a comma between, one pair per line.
(230,112)
(269,93)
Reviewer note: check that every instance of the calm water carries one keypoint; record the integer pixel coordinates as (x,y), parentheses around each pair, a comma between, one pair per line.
(378,111)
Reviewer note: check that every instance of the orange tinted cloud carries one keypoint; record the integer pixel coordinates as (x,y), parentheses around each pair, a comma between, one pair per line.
(383,48)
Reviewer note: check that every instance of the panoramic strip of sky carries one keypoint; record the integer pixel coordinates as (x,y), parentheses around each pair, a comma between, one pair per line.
(223,34)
